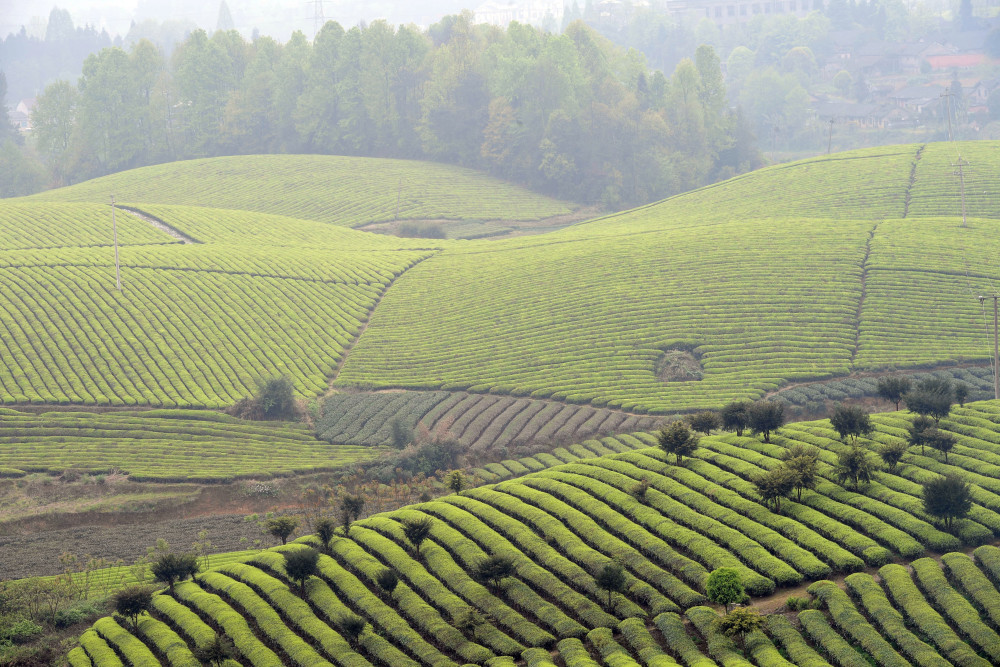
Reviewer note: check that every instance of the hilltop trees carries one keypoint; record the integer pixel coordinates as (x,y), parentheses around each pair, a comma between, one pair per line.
(947,498)
(930,398)
(170,568)
(765,417)
(724,587)
(851,421)
(570,114)
(132,601)
(893,388)
(855,466)
(735,417)
(704,421)
(300,565)
(677,440)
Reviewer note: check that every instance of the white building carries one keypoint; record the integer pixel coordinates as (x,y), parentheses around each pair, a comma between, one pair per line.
(534,12)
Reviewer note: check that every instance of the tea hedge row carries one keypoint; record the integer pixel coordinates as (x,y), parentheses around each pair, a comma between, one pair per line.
(159,445)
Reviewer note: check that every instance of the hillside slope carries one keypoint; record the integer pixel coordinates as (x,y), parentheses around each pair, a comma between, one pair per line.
(562,525)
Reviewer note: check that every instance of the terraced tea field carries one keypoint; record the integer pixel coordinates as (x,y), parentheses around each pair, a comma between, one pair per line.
(483,424)
(800,272)
(165,445)
(348,191)
(563,524)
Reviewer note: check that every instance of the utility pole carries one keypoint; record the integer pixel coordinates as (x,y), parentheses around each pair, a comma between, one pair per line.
(399,194)
(996,346)
(114,227)
(961,177)
(829,143)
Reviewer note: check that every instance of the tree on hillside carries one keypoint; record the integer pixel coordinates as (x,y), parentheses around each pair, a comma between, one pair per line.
(854,465)
(893,388)
(351,507)
(940,440)
(765,417)
(948,498)
(961,393)
(387,580)
(677,440)
(724,587)
(416,531)
(892,453)
(170,568)
(704,421)
(493,570)
(281,527)
(774,485)
(456,481)
(931,398)
(739,623)
(851,421)
(216,652)
(736,417)
(916,432)
(803,462)
(132,601)
(612,579)
(352,627)
(325,530)
(300,565)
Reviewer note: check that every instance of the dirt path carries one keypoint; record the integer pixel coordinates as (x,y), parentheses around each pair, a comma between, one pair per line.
(159,224)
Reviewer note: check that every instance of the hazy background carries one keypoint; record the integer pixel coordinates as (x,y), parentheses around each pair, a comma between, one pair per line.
(277,18)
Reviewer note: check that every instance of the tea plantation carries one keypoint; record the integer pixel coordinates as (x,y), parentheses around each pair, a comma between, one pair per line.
(562,525)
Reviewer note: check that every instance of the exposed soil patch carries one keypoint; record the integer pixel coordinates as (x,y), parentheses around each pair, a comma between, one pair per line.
(676,365)
(159,224)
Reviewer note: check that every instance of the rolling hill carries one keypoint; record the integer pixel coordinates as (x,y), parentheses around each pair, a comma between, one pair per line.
(811,270)
(864,552)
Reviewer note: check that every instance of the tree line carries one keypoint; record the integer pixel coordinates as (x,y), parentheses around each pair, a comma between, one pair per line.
(570,115)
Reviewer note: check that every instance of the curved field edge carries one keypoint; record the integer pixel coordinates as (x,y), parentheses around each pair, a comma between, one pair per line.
(348,191)
(563,524)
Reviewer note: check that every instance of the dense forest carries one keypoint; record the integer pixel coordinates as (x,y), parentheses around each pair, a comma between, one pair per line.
(571,115)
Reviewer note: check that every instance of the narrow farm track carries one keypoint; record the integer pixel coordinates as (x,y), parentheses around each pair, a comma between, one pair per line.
(159,224)
(913,179)
(864,293)
(367,320)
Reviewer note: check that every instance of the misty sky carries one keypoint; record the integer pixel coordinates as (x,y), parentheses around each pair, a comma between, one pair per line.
(272,17)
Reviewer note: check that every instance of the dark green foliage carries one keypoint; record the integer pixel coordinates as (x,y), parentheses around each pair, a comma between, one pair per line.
(961,393)
(352,627)
(724,587)
(456,481)
(774,485)
(851,421)
(493,570)
(947,498)
(704,422)
(765,417)
(300,565)
(931,397)
(892,453)
(170,568)
(417,530)
(276,397)
(387,580)
(351,508)
(917,432)
(735,416)
(893,388)
(216,652)
(940,440)
(132,601)
(639,490)
(402,435)
(677,439)
(802,461)
(854,465)
(739,623)
(418,230)
(281,527)
(612,579)
(325,527)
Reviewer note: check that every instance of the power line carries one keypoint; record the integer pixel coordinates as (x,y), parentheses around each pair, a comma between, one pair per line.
(318,17)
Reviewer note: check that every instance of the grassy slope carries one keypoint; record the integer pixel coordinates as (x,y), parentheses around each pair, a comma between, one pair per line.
(163,445)
(349,191)
(764,298)
(561,525)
